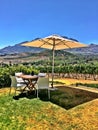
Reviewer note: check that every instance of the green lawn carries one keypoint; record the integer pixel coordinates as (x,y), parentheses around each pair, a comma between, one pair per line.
(30,113)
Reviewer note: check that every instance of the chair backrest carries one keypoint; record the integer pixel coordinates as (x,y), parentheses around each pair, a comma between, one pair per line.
(13,81)
(18,79)
(43,82)
(18,73)
(42,74)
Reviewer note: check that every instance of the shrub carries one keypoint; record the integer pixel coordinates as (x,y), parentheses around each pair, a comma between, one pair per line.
(5,80)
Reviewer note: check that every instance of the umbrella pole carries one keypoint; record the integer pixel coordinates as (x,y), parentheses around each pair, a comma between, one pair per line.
(52,69)
(53,64)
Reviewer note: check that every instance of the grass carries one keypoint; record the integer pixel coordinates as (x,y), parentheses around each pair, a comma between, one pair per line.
(71,81)
(63,112)
(87,85)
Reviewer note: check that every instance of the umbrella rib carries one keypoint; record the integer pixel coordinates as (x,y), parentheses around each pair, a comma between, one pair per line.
(44,42)
(64,43)
(72,42)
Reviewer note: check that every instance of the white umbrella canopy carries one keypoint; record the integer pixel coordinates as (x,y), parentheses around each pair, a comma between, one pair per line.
(54,42)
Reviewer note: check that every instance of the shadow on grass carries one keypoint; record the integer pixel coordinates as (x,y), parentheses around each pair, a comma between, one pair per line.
(29,95)
(65,97)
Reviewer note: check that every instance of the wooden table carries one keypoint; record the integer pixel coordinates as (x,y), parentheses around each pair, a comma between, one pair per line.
(29,80)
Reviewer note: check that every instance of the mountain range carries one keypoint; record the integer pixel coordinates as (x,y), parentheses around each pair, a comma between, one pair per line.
(91,49)
(17,48)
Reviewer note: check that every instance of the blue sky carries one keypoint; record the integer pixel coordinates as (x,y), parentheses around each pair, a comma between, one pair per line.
(25,20)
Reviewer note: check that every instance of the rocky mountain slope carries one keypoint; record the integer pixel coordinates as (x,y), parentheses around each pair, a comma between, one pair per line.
(17,48)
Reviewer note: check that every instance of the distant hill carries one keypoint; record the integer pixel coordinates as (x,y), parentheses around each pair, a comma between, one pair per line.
(91,49)
(17,48)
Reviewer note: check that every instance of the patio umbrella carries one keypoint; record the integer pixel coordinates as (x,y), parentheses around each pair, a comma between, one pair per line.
(54,42)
